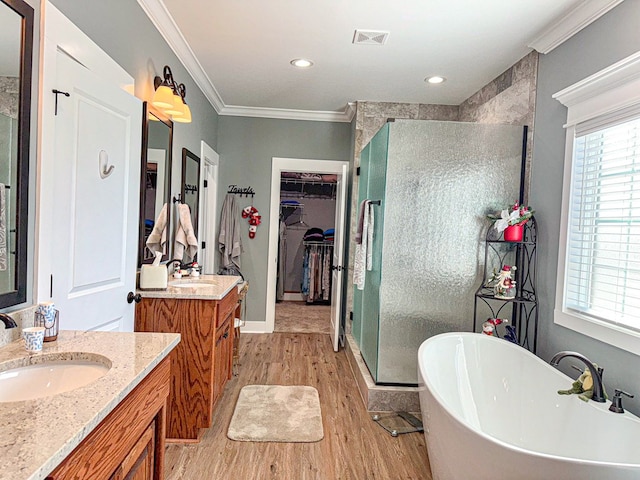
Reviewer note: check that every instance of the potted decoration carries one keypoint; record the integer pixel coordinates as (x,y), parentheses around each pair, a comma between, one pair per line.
(511,221)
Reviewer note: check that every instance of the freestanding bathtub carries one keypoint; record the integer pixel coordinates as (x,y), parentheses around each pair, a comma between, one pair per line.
(491,411)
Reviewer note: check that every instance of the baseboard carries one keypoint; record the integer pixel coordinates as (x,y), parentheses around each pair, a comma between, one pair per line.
(254,327)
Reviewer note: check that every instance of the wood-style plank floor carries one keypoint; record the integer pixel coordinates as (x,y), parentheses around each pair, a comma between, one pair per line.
(354,447)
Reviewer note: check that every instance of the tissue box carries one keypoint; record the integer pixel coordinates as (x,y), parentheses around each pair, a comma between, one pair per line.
(153,278)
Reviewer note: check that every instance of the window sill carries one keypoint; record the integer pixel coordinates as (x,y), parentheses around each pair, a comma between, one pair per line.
(614,335)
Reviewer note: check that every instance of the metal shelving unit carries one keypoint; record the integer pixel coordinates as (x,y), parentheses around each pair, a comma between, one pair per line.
(521,311)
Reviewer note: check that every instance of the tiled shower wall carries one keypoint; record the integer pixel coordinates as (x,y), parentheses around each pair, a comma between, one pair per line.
(508,99)
(9,91)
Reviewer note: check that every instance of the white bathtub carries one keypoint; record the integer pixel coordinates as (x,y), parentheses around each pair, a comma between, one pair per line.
(491,411)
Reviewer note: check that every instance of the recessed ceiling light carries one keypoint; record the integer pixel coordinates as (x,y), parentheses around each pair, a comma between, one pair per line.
(301,63)
(436,79)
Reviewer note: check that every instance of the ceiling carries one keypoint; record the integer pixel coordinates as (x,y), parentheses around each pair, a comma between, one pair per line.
(243,48)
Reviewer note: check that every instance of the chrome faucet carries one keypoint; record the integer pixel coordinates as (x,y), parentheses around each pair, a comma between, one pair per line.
(596,373)
(8,321)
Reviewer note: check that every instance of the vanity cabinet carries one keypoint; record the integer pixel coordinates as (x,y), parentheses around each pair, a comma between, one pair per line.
(129,442)
(200,364)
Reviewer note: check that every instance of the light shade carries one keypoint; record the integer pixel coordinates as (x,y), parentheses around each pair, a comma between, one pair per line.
(186,115)
(175,110)
(163,97)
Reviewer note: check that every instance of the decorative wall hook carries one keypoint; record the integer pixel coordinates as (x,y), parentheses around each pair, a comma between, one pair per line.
(103,164)
(242,191)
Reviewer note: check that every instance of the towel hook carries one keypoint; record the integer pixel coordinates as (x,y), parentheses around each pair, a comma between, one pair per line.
(103,164)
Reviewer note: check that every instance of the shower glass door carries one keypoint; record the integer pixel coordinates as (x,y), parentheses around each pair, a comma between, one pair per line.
(437,182)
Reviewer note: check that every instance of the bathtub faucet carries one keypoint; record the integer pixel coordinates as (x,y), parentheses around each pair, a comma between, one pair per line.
(596,373)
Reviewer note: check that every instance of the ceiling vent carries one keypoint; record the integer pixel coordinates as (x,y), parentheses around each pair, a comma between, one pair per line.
(370,37)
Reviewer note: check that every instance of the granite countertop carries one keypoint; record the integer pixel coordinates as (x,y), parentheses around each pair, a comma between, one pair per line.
(205,287)
(36,435)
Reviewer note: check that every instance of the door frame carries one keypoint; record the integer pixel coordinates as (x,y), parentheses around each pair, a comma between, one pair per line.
(60,34)
(208,215)
(278,166)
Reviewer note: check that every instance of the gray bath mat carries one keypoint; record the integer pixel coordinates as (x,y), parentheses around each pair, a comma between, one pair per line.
(276,413)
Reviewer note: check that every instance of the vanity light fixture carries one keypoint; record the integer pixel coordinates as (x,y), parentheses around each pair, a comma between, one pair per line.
(169,97)
(185,116)
(435,80)
(301,63)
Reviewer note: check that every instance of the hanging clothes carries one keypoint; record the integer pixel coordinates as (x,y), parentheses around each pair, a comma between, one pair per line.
(316,278)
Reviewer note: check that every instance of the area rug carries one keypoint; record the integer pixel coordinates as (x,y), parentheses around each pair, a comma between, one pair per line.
(276,413)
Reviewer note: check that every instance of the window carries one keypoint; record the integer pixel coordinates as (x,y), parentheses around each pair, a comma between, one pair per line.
(603,262)
(598,288)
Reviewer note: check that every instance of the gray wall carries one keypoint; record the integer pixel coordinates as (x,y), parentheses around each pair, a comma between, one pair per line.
(123,30)
(246,147)
(606,41)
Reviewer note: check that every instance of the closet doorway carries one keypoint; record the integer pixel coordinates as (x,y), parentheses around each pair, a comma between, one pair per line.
(306,247)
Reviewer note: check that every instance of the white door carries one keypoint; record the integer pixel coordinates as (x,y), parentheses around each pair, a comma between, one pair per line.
(337,330)
(98,132)
(208,212)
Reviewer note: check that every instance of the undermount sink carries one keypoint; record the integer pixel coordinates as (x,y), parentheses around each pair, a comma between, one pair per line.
(43,376)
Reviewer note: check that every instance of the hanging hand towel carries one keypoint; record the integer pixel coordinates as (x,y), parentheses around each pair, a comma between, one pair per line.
(363,260)
(229,241)
(3,228)
(360,221)
(157,240)
(369,236)
(186,243)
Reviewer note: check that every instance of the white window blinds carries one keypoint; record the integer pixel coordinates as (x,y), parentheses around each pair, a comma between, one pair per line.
(602,277)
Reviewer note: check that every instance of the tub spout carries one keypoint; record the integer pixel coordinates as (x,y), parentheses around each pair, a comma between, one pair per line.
(596,373)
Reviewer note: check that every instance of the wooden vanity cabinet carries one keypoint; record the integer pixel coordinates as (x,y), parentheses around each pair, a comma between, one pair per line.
(200,364)
(129,443)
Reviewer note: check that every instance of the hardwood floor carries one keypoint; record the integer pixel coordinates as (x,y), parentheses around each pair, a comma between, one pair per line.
(354,447)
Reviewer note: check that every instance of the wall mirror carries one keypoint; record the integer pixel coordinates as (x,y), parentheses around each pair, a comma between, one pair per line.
(16,52)
(155,186)
(190,192)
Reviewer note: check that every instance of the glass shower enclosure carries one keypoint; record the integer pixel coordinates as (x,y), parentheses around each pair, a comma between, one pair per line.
(436,181)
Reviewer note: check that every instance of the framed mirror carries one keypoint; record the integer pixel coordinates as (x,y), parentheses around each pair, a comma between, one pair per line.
(190,192)
(155,185)
(16,52)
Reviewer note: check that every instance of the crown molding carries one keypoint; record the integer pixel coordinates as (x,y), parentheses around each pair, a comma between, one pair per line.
(612,89)
(164,23)
(571,23)
(289,114)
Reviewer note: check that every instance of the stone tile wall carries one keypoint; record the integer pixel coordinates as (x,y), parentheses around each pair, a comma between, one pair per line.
(9,92)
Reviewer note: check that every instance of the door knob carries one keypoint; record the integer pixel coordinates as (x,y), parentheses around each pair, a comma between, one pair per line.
(132,297)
